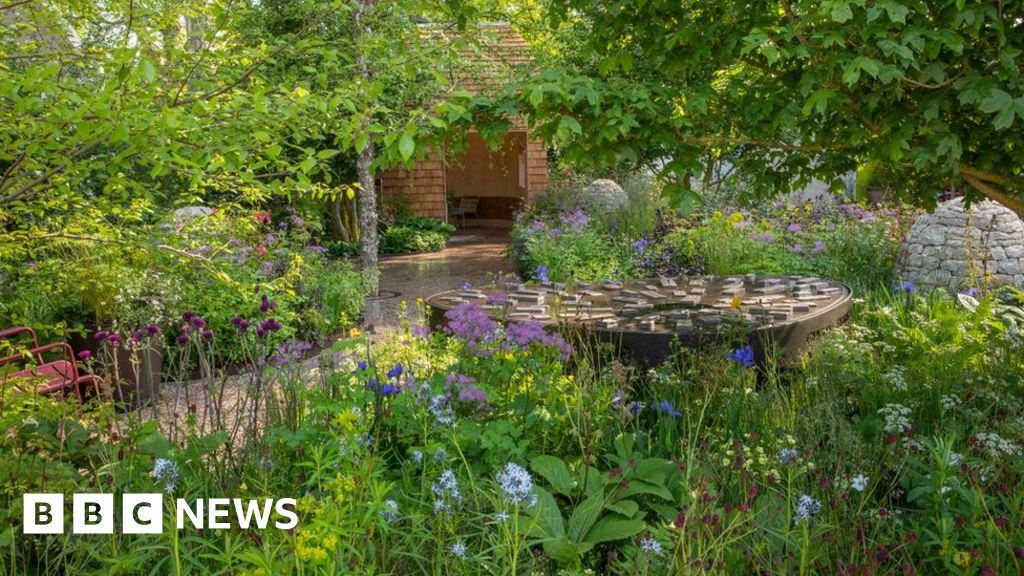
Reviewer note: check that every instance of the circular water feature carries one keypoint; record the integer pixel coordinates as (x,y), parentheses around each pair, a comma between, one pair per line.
(643,318)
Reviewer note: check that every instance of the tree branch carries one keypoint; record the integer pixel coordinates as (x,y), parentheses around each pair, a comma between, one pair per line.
(14,5)
(46,176)
(1003,198)
(719,140)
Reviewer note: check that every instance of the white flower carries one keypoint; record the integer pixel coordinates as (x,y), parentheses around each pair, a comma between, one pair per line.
(516,483)
(897,418)
(390,511)
(166,471)
(860,482)
(806,508)
(458,550)
(650,546)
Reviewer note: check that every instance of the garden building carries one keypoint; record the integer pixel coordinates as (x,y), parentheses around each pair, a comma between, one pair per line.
(488,184)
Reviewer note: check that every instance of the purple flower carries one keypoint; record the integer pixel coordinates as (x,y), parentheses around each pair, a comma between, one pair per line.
(84,355)
(152,329)
(468,322)
(266,304)
(497,298)
(420,331)
(973,292)
(113,338)
(541,274)
(466,285)
(743,356)
(795,228)
(316,249)
(237,320)
(362,365)
(198,322)
(818,247)
(523,334)
(906,286)
(207,335)
(536,227)
(574,221)
(183,339)
(766,237)
(640,245)
(796,249)
(636,407)
(101,335)
(187,315)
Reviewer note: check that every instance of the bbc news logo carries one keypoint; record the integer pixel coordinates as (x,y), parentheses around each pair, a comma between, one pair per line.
(144,513)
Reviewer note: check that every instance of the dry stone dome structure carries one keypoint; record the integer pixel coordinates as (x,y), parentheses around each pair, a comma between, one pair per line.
(957,247)
(604,195)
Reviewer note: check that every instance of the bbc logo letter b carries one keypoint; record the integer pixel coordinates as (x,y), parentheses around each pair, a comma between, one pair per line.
(43,513)
(92,513)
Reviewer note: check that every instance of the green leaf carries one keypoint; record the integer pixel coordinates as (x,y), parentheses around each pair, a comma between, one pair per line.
(536,96)
(613,527)
(841,12)
(406,146)
(147,70)
(584,517)
(548,518)
(554,470)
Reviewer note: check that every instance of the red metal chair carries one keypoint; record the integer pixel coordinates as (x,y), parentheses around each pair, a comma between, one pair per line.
(46,377)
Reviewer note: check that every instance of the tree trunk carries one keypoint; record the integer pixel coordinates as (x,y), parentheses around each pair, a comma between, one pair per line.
(337,222)
(367,195)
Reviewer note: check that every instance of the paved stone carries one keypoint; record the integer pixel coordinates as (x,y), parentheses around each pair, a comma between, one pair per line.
(473,255)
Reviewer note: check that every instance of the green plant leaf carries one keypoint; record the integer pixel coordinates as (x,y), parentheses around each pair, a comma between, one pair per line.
(613,527)
(556,473)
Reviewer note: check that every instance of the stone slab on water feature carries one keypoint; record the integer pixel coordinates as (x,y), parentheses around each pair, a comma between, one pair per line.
(644,317)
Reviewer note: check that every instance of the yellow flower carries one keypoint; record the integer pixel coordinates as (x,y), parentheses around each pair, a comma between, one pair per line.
(736,302)
(736,217)
(962,559)
(354,332)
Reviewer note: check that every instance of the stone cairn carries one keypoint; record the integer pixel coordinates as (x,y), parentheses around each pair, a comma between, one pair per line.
(956,247)
(604,195)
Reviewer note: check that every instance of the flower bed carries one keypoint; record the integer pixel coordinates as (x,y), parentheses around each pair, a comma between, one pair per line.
(896,447)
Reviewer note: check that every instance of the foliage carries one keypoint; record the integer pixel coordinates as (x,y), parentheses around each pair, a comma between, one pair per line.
(415,234)
(924,91)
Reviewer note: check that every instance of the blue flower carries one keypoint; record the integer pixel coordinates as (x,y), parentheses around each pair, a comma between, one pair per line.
(743,356)
(166,471)
(517,484)
(787,455)
(541,274)
(395,372)
(973,292)
(636,407)
(666,407)
(906,286)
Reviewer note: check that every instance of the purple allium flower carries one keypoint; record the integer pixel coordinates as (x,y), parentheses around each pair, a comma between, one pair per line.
(766,237)
(187,314)
(906,286)
(101,335)
(817,248)
(207,335)
(243,326)
(743,356)
(795,228)
(237,320)
(152,329)
(113,338)
(183,339)
(84,355)
(198,322)
(796,249)
(541,274)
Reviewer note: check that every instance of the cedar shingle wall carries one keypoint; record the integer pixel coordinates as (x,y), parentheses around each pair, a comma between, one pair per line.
(423,187)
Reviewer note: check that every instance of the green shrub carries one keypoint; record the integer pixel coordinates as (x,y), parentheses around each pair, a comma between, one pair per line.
(415,234)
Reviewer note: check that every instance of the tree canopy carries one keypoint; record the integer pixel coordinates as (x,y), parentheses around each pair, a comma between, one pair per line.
(928,91)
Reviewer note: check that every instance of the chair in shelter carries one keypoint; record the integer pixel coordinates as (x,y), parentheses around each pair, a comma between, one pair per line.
(466,205)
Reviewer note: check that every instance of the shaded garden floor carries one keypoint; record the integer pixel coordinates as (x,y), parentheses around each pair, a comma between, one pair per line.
(474,255)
